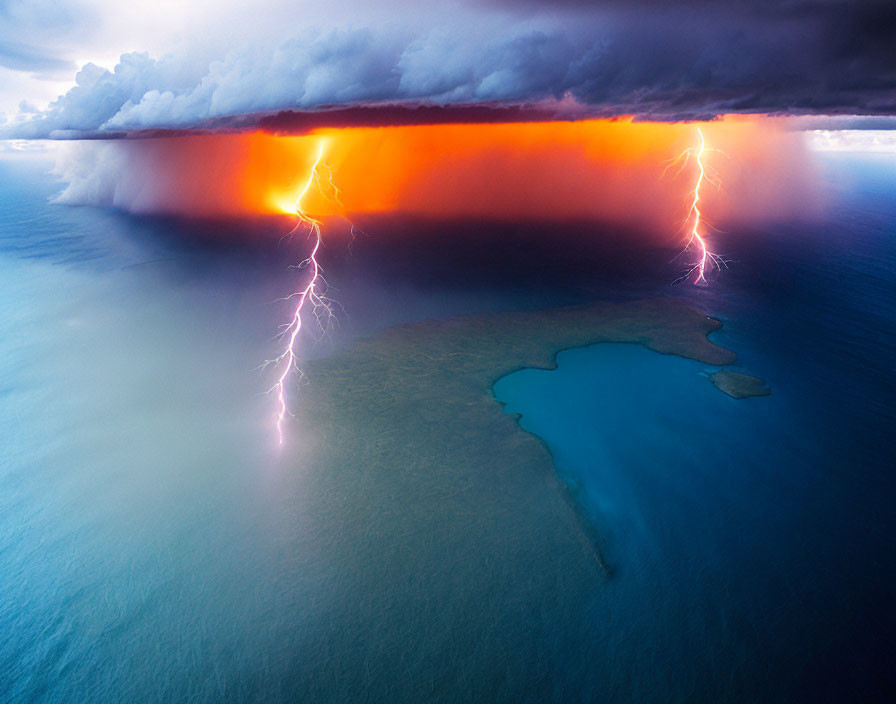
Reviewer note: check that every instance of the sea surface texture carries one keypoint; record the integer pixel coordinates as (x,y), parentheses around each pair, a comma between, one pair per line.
(659,542)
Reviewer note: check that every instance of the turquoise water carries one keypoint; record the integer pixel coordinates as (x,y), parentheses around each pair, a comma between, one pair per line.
(698,524)
(155,546)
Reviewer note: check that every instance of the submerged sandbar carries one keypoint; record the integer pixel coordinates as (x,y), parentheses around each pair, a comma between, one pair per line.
(738,385)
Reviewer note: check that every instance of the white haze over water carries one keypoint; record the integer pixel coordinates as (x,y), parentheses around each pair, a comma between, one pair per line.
(154,542)
(867,141)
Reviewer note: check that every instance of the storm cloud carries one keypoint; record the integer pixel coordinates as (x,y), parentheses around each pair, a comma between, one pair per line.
(693,60)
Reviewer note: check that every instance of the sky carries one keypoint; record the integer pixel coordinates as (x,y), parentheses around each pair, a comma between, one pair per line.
(74,68)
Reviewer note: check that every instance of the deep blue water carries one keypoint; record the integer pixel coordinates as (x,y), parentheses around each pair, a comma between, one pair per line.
(754,540)
(154,547)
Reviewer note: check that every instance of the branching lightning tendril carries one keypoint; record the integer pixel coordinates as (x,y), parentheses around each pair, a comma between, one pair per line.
(312,294)
(695,222)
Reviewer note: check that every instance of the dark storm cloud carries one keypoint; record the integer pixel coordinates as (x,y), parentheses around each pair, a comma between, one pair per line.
(779,57)
(647,58)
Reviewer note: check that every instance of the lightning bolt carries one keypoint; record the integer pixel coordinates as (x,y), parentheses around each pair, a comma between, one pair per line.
(695,222)
(312,294)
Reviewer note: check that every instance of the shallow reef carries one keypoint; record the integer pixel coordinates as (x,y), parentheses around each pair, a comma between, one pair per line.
(444,525)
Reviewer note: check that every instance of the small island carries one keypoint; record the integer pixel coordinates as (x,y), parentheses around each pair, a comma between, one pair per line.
(738,385)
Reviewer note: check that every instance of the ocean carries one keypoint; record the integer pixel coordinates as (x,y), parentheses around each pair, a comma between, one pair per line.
(753,538)
(154,543)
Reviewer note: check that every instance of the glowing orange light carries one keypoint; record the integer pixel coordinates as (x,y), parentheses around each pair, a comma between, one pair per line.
(603,170)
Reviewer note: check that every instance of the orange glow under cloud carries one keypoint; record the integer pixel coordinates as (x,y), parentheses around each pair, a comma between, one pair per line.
(602,169)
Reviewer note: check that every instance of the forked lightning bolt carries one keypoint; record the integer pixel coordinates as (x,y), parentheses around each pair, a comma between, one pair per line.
(312,294)
(695,221)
